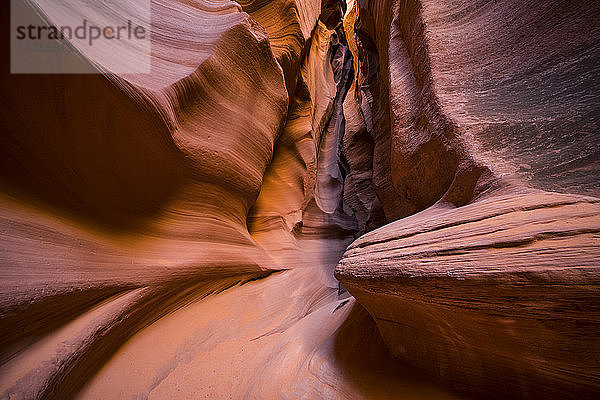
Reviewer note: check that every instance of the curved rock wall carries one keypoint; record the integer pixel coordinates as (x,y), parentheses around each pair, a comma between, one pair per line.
(490,281)
(175,234)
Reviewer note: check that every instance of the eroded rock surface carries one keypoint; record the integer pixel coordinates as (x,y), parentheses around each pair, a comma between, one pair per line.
(489,282)
(175,234)
(498,293)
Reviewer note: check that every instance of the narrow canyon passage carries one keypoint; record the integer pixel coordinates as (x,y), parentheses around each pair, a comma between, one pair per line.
(303,199)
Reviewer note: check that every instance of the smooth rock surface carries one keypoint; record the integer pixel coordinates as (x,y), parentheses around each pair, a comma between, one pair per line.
(484,282)
(175,234)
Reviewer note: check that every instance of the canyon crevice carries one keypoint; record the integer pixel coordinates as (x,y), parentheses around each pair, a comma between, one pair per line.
(312,199)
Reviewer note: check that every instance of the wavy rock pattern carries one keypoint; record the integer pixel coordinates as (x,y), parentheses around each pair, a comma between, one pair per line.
(175,234)
(506,285)
(488,283)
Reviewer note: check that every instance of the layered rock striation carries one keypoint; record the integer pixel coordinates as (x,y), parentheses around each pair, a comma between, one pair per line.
(175,234)
(490,281)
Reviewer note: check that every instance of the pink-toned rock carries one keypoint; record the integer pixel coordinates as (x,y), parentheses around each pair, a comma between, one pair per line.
(499,293)
(174,234)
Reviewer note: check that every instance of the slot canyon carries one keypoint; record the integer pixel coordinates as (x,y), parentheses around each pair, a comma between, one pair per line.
(305,199)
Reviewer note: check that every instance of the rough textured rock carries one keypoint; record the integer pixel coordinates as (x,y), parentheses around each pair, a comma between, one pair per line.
(489,282)
(499,293)
(175,234)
